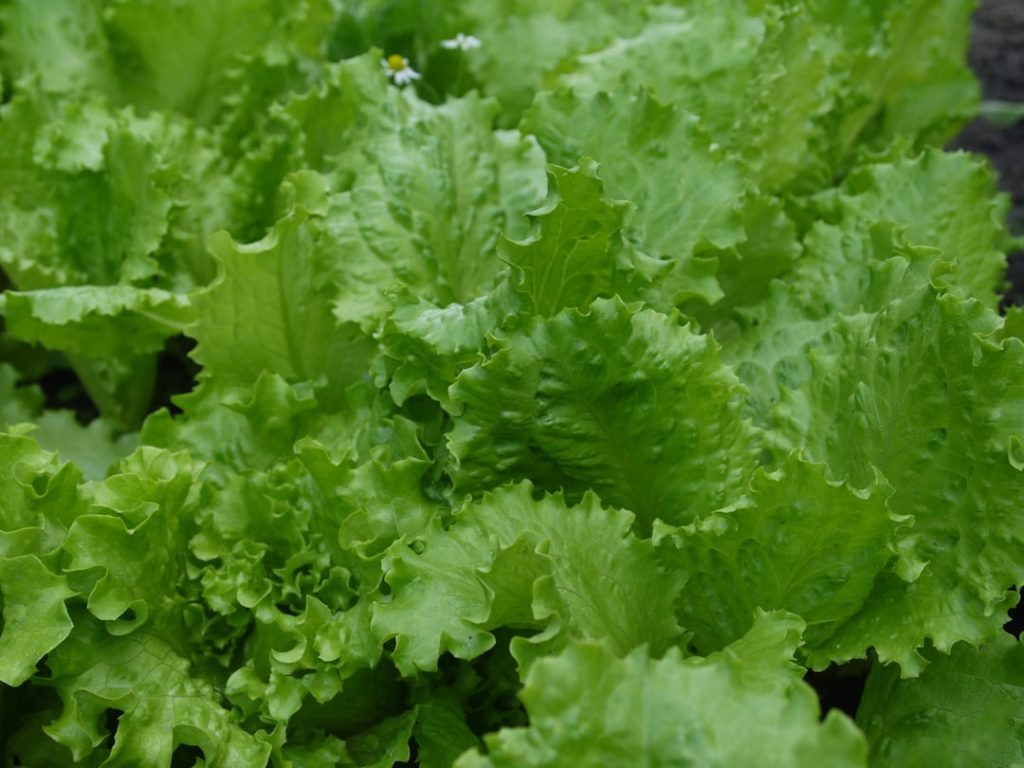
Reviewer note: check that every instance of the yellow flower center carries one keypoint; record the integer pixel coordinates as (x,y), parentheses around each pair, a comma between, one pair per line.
(396,63)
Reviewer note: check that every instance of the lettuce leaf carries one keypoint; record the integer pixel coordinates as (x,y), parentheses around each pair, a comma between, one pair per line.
(568,380)
(588,706)
(629,403)
(964,710)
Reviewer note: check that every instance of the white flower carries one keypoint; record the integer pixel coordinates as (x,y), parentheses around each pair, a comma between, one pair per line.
(398,69)
(461,42)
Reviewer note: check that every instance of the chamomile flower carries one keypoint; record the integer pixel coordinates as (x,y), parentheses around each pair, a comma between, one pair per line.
(398,69)
(461,42)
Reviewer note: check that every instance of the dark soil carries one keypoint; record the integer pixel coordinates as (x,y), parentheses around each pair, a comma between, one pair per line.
(997,56)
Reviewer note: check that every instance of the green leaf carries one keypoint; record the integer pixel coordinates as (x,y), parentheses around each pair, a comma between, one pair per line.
(270,307)
(17,404)
(383,745)
(62,43)
(428,205)
(588,707)
(105,320)
(288,114)
(510,560)
(238,428)
(183,51)
(41,498)
(136,534)
(964,710)
(94,448)
(679,61)
(688,195)
(525,40)
(441,732)
(760,97)
(88,210)
(797,542)
(579,252)
(428,346)
(162,704)
(35,619)
(865,361)
(348,105)
(905,71)
(86,203)
(944,201)
(947,454)
(628,403)
(746,270)
(711,333)
(763,657)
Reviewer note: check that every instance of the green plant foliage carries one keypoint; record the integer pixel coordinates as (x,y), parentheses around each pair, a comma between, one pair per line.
(494,383)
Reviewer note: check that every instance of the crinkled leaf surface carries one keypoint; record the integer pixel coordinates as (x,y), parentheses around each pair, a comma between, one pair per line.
(35,617)
(687,197)
(428,207)
(586,708)
(570,394)
(105,320)
(510,561)
(966,709)
(279,317)
(631,404)
(797,542)
(161,704)
(580,253)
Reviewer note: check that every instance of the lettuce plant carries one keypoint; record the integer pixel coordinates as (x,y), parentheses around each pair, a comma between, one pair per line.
(572,380)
